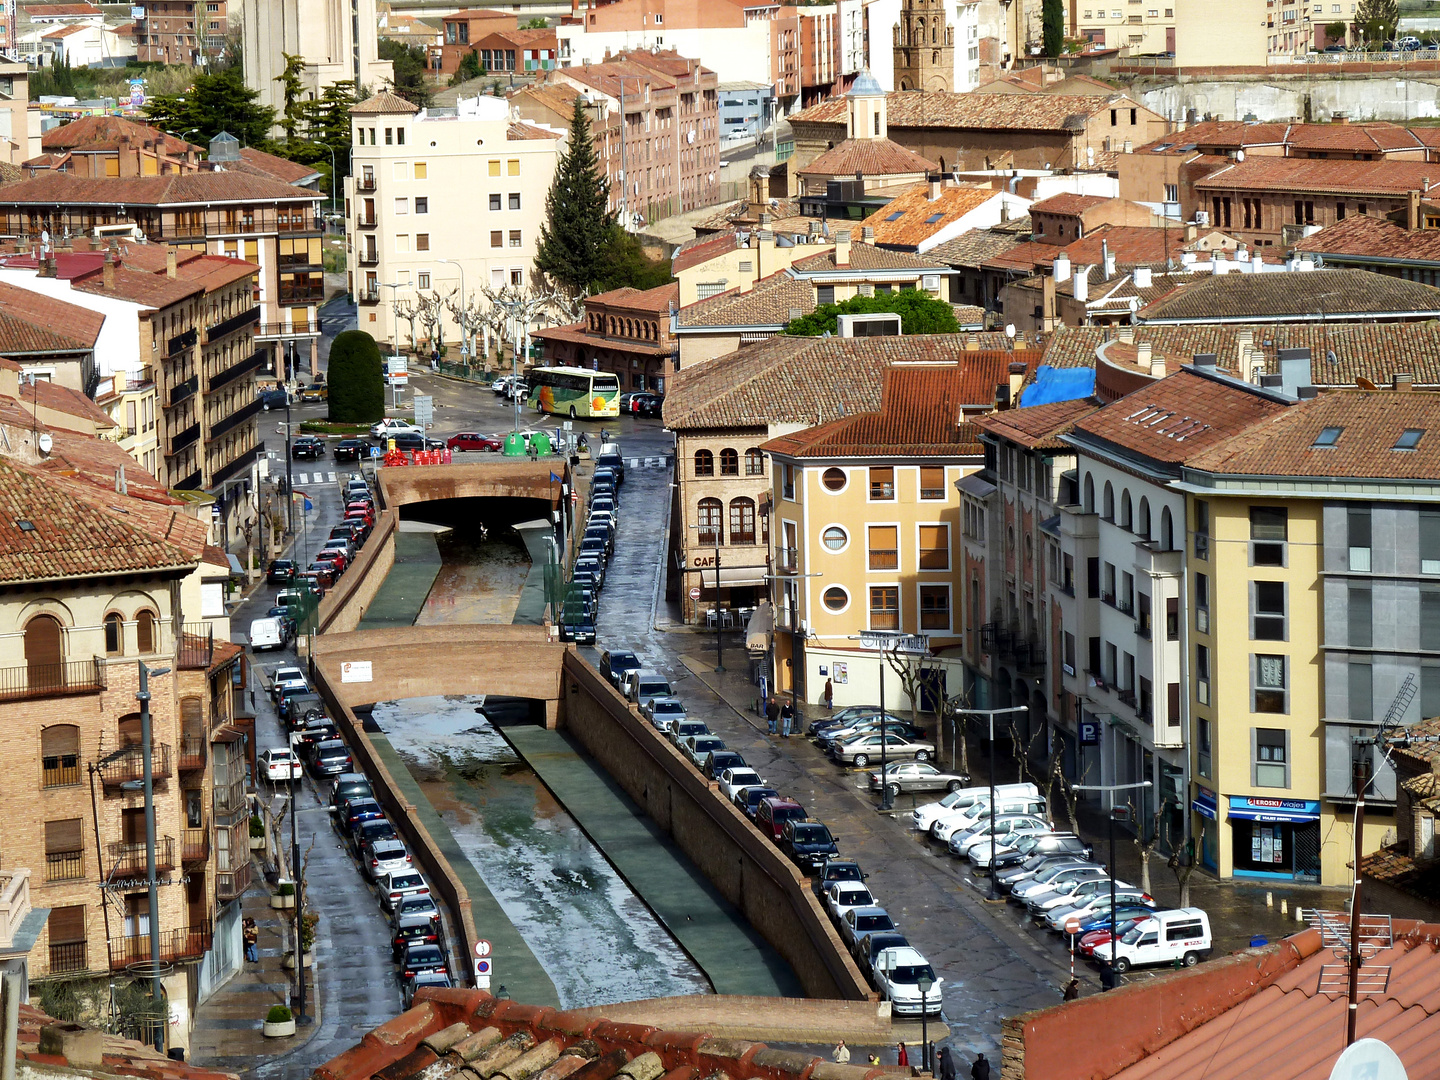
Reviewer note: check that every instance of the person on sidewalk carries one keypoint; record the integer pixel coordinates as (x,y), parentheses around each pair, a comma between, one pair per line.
(947,1064)
(874,1059)
(787,717)
(841,1055)
(252,941)
(902,1057)
(1072,989)
(829,695)
(981,1069)
(772,715)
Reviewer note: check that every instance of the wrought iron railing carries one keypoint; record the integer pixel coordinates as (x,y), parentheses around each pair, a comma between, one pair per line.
(127,860)
(130,765)
(64,865)
(195,845)
(182,943)
(67,958)
(52,680)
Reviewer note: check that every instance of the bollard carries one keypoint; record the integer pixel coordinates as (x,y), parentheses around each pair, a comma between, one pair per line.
(1299,913)
(1284,908)
(1269,900)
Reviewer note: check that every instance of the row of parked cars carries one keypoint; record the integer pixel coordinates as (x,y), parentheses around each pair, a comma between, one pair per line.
(1053,875)
(860,736)
(417,941)
(581,603)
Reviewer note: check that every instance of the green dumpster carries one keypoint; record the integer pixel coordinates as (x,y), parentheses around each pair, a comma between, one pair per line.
(541,443)
(514,445)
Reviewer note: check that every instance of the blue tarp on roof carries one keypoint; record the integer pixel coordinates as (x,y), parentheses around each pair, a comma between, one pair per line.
(1059,384)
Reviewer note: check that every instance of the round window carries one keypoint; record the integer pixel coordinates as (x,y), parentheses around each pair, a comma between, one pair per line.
(836,598)
(833,479)
(834,538)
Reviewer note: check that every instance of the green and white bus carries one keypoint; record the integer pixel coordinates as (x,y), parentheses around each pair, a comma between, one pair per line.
(574,392)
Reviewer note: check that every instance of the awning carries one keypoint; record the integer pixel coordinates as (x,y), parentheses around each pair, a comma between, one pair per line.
(757,631)
(1204,803)
(976,486)
(236,570)
(730,576)
(1294,811)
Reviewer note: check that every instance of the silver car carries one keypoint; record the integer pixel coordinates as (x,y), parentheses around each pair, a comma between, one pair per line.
(864,749)
(916,776)
(662,712)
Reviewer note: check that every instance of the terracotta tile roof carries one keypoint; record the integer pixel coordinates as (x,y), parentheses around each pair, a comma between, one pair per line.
(50,188)
(1424,755)
(1378,136)
(969,315)
(1337,293)
(212,272)
(866,257)
(577,334)
(1218,134)
(973,248)
(1067,203)
(657,299)
(61,399)
(64,32)
(1080,85)
(384,103)
(150,290)
(702,249)
(121,1057)
(519,131)
(1371,423)
(1025,257)
(1329,176)
(42,11)
(1176,419)
(920,217)
(105,133)
(868,157)
(1129,245)
(278,168)
(606,77)
(1038,426)
(985,112)
(921,414)
(787,380)
(1374,238)
(772,302)
(779,210)
(86,459)
(31,322)
(81,530)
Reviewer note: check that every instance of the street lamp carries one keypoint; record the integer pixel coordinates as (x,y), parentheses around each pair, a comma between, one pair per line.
(925,982)
(897,643)
(1117,813)
(464,333)
(990,714)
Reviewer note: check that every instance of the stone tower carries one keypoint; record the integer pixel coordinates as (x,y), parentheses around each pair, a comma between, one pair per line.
(924,47)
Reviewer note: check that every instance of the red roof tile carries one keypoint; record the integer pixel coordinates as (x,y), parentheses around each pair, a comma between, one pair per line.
(151,290)
(1340,294)
(120,1057)
(61,399)
(920,217)
(986,112)
(868,157)
(31,322)
(1339,176)
(49,188)
(1067,203)
(278,168)
(1374,238)
(384,102)
(1037,426)
(702,249)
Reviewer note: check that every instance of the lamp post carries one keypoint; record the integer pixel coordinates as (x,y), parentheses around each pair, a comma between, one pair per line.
(147,745)
(1117,813)
(990,714)
(925,982)
(464,333)
(897,643)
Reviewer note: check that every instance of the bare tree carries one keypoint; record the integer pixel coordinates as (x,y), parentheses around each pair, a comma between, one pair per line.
(1145,840)
(471,319)
(409,310)
(1067,791)
(953,709)
(432,318)
(1182,862)
(1025,749)
(917,674)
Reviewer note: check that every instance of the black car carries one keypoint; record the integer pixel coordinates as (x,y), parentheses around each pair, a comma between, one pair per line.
(351,450)
(807,844)
(719,761)
(412,440)
(748,799)
(874,944)
(577,624)
(614,665)
(351,785)
(610,459)
(307,447)
(414,931)
(837,870)
(649,405)
(274,399)
(281,572)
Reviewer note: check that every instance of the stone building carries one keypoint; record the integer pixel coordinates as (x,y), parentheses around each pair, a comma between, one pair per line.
(625,331)
(924,47)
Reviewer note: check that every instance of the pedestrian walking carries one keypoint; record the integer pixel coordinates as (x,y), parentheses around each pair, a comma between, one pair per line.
(252,941)
(981,1069)
(841,1054)
(787,717)
(772,715)
(901,1056)
(874,1059)
(829,695)
(1072,989)
(947,1064)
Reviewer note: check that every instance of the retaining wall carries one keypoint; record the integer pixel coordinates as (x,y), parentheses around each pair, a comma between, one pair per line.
(342,608)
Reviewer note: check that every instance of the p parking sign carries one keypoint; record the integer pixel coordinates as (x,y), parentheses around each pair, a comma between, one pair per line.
(1089,733)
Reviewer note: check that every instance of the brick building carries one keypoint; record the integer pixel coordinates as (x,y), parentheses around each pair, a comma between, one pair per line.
(180,31)
(625,331)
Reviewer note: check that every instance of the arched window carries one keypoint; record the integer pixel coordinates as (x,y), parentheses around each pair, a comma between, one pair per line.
(44,653)
(754,462)
(1167,531)
(145,632)
(1029,550)
(935,34)
(729,462)
(1142,523)
(131,730)
(60,755)
(704,463)
(1108,506)
(707,518)
(114,634)
(1089,501)
(742,521)
(1127,518)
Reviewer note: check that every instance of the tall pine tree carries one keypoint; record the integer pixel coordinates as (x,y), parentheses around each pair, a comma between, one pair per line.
(578,225)
(1053,24)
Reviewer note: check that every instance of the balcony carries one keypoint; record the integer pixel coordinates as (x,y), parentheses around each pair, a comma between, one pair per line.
(230,798)
(196,646)
(182,391)
(787,560)
(372,296)
(181,342)
(368,258)
(232,324)
(68,958)
(367,221)
(189,437)
(365,183)
(192,753)
(130,765)
(302,294)
(31,681)
(64,865)
(129,860)
(195,845)
(231,884)
(239,465)
(189,483)
(300,223)
(296,328)
(236,418)
(180,944)
(254,362)
(297,262)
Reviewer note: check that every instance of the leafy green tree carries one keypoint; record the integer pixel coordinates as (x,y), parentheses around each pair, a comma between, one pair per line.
(217,102)
(578,227)
(470,68)
(919,314)
(327,129)
(294,103)
(1335,32)
(1053,22)
(535,24)
(356,379)
(1376,19)
(409,62)
(624,262)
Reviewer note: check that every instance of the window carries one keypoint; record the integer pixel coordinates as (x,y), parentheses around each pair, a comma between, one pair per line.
(64,849)
(787,482)
(1202,745)
(1270,684)
(742,521)
(422,279)
(401,170)
(1202,529)
(824,294)
(422,172)
(707,520)
(884,547)
(1202,674)
(514,200)
(514,238)
(495,171)
(1271,757)
(422,241)
(59,755)
(729,462)
(114,634)
(1328,437)
(835,538)
(1409,439)
(389,136)
(402,242)
(1361,690)
(1172,618)
(1357,527)
(1107,504)
(497,239)
(494,200)
(402,206)
(1142,615)
(882,483)
(934,547)
(932,482)
(1127,517)
(517,275)
(66,930)
(1268,530)
(512,167)
(1069,661)
(754,463)
(833,479)
(422,204)
(1268,617)
(1359,628)
(1429,542)
(934,607)
(835,598)
(1202,603)
(145,632)
(1429,618)
(885,607)
(704,463)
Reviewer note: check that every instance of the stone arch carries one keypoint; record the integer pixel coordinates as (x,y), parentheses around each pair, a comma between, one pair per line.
(1107,503)
(1167,530)
(1088,500)
(1142,521)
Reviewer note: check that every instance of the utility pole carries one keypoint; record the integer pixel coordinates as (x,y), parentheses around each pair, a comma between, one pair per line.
(147,745)
(1362,782)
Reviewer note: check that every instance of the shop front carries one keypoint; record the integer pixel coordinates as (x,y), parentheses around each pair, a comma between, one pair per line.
(1206,807)
(1274,838)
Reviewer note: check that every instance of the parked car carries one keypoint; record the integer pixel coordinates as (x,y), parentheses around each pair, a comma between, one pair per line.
(695,747)
(774,812)
(1074,893)
(841,718)
(412,931)
(861,921)
(1052,843)
(1095,935)
(410,985)
(1012,825)
(281,571)
(683,729)
(1053,878)
(716,762)
(836,870)
(473,441)
(380,858)
(307,447)
(415,907)
(577,623)
(609,458)
(416,440)
(842,896)
(280,765)
(357,810)
(897,974)
(926,816)
(1167,936)
(808,844)
(649,405)
(977,814)
(398,884)
(391,426)
(1011,879)
(872,945)
(351,450)
(663,712)
(641,686)
(860,751)
(287,678)
(349,785)
(331,758)
(267,634)
(748,799)
(904,776)
(733,781)
(868,726)
(369,832)
(421,957)
(1128,901)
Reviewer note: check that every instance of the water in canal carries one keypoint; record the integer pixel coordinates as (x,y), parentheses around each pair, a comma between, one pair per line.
(596,940)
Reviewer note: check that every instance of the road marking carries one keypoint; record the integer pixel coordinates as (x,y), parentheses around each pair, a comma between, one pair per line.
(332,478)
(302,478)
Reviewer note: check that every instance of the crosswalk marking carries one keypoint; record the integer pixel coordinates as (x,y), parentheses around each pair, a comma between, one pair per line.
(330,478)
(302,478)
(647,463)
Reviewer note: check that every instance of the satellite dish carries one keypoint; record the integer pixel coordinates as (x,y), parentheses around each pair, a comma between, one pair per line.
(46,442)
(1239,155)
(1368,1059)
(1010,331)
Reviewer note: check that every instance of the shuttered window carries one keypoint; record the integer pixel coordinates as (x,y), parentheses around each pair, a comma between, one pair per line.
(60,755)
(884,547)
(66,924)
(64,850)
(934,547)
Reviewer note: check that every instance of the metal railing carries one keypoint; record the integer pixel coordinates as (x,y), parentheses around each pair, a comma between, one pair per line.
(236,418)
(223,378)
(182,391)
(67,957)
(368,258)
(301,295)
(192,752)
(196,645)
(60,770)
(884,559)
(367,221)
(189,437)
(64,865)
(232,883)
(182,341)
(280,329)
(239,465)
(182,943)
(235,322)
(364,182)
(194,845)
(130,765)
(52,680)
(299,223)
(127,860)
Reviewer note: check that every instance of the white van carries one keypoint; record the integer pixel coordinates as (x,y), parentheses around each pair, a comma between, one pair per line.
(1182,934)
(978,813)
(266,634)
(644,686)
(925,816)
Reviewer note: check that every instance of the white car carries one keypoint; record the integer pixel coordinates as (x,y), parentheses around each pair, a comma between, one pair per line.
(390,426)
(845,895)
(734,781)
(925,816)
(399,884)
(897,976)
(1007,828)
(279,765)
(384,857)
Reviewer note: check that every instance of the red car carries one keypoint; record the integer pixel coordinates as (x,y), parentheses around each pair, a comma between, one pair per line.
(473,440)
(360,512)
(1093,940)
(335,557)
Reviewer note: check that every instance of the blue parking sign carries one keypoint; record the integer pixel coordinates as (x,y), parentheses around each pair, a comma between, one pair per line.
(1089,733)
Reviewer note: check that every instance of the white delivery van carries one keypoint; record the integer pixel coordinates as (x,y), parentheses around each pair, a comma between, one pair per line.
(926,815)
(266,634)
(1182,934)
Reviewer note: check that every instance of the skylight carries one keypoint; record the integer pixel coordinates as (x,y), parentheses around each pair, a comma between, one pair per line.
(1328,436)
(933,218)
(896,216)
(1409,439)
(24,525)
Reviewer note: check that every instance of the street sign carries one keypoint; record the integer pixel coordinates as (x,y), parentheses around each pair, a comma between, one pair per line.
(1072,926)
(376,452)
(888,641)
(424,405)
(482,948)
(1089,732)
(482,967)
(695,592)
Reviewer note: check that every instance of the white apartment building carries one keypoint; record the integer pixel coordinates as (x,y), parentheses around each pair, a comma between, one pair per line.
(441,200)
(967,46)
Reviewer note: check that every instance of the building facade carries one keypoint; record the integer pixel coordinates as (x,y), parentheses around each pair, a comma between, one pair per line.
(338,42)
(180,31)
(625,331)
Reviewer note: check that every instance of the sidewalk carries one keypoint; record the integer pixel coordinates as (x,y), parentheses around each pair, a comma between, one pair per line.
(227,1031)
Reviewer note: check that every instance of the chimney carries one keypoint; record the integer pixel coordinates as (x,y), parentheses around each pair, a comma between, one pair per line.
(1017,378)
(972,343)
(1062,268)
(934,189)
(1143,277)
(1218,266)
(1257,263)
(1004,211)
(1047,303)
(1402,380)
(1294,370)
(1081,288)
(1129,147)
(1142,352)
(1205,360)
(107,274)
(1126,334)
(47,266)
(1412,210)
(842,247)
(1107,259)
(867,233)
(172,269)
(1340,118)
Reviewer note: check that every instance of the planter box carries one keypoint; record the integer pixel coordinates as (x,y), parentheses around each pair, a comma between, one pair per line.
(279,902)
(288,960)
(257,843)
(278,1031)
